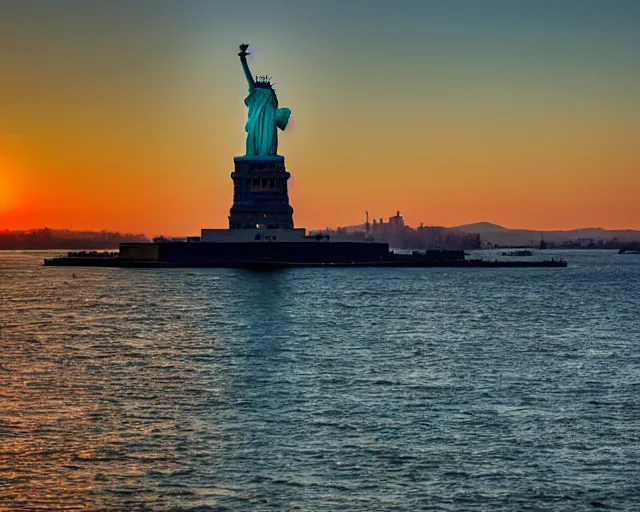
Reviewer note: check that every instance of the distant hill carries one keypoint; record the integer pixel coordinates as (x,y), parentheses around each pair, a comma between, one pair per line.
(494,234)
(499,235)
(480,227)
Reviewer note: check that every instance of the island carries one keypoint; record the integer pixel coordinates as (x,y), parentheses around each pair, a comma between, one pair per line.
(261,231)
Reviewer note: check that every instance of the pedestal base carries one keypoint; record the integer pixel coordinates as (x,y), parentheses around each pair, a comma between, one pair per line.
(260,194)
(253,235)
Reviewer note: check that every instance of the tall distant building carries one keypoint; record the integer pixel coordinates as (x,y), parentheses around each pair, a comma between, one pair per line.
(397,221)
(396,229)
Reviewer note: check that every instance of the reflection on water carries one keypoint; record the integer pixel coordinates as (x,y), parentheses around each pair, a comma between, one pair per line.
(404,389)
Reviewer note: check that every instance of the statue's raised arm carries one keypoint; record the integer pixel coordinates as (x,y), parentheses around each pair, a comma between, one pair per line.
(245,67)
(264,117)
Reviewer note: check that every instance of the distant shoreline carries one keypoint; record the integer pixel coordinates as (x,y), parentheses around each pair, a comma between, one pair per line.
(60,239)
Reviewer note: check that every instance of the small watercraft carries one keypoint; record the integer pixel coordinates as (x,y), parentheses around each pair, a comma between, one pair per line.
(518,253)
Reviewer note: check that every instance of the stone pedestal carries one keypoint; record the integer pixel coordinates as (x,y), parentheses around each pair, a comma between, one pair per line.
(260,195)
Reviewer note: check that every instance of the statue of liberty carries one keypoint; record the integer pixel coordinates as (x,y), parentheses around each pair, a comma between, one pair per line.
(264,115)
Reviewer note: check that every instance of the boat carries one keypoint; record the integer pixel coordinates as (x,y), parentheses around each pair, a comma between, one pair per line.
(630,249)
(517,253)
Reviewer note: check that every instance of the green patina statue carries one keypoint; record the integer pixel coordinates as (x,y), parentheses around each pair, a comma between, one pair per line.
(264,115)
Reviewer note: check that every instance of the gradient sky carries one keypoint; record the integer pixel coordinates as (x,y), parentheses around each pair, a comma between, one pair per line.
(126,115)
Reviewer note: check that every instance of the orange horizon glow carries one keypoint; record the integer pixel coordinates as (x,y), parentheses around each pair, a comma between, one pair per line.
(142,203)
(449,189)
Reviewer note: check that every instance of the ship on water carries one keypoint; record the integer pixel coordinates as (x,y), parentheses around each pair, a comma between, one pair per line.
(632,248)
(261,232)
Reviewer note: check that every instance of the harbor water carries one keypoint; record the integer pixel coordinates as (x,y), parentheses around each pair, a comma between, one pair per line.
(320,389)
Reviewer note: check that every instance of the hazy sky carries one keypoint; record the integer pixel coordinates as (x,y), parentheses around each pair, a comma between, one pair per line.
(126,115)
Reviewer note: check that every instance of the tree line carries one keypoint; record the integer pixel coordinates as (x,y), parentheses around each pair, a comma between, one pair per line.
(47,238)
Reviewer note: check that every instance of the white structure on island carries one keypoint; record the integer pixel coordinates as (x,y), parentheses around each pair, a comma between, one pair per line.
(260,235)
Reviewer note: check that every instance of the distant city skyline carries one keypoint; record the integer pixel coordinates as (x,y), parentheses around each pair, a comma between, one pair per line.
(127,115)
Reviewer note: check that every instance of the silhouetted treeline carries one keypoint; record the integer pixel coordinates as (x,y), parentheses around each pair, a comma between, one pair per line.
(65,239)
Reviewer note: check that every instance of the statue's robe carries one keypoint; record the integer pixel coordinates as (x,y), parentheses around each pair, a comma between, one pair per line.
(263,120)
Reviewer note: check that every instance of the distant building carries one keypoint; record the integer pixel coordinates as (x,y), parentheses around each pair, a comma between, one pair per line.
(397,221)
(396,230)
(401,236)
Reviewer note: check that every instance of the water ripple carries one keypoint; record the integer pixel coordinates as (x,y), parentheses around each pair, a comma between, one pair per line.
(342,389)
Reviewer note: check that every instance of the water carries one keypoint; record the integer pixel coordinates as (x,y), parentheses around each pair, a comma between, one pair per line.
(317,389)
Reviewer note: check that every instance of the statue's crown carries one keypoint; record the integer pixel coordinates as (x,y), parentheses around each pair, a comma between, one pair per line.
(264,82)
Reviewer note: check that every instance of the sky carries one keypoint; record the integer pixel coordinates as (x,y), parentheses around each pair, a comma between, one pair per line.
(126,115)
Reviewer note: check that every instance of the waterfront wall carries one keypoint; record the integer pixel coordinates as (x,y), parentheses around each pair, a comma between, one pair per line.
(235,252)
